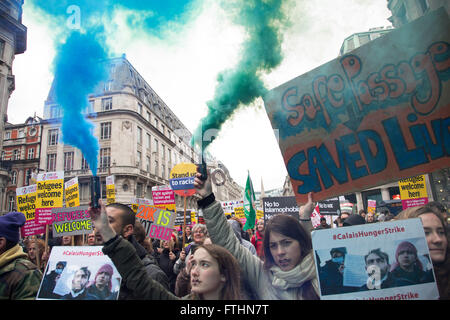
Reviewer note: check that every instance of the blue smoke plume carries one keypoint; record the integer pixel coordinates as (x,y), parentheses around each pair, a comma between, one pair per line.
(78,70)
(79,64)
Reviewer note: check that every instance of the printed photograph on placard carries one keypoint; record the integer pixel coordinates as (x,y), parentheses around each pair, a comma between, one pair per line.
(79,273)
(374,261)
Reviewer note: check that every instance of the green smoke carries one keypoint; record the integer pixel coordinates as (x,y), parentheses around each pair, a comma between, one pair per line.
(264,22)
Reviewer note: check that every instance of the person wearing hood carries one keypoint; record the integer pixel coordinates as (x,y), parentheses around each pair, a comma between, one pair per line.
(50,280)
(288,270)
(408,270)
(19,277)
(122,220)
(237,231)
(102,286)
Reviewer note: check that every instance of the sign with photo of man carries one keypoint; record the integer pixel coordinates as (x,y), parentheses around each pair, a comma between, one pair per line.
(379,261)
(79,273)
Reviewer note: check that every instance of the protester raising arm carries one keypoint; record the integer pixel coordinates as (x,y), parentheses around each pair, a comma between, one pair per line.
(290,274)
(305,213)
(214,271)
(124,256)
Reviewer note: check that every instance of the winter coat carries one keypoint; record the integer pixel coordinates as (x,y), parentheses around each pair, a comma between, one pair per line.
(166,265)
(19,277)
(257,242)
(237,231)
(273,284)
(134,277)
(151,267)
(417,276)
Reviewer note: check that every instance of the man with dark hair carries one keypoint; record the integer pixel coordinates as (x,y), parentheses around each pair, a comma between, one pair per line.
(122,220)
(19,277)
(323,224)
(79,283)
(377,267)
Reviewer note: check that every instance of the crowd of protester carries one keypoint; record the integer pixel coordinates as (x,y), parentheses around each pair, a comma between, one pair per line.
(217,260)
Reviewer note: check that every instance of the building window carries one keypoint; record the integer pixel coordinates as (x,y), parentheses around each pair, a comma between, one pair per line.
(139,108)
(7,135)
(108,85)
(55,112)
(138,159)
(149,141)
(156,146)
(84,164)
(105,130)
(14,177)
(139,190)
(139,135)
(163,171)
(85,192)
(91,106)
(51,162)
(148,116)
(53,137)
(11,203)
(68,161)
(30,154)
(156,167)
(106,104)
(105,157)
(156,124)
(28,174)
(148,164)
(163,154)
(16,154)
(163,129)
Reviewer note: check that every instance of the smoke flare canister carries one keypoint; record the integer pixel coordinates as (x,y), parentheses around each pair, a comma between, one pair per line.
(95,191)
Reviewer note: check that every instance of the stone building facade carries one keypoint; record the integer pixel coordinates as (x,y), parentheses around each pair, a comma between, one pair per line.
(13,36)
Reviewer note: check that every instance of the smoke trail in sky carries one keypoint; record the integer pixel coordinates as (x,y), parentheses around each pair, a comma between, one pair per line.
(263,21)
(79,64)
(79,68)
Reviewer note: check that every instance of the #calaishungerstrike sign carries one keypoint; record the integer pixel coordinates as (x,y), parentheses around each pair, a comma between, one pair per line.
(375,115)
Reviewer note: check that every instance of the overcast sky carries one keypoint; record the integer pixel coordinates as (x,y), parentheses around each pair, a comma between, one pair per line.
(182,68)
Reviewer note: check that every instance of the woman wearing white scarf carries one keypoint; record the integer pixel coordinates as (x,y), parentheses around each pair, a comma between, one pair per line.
(288,270)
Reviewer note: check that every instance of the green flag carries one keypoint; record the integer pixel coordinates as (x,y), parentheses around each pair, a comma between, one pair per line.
(249,204)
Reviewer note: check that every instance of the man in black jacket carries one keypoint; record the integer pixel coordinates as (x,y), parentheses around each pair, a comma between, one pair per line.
(121,219)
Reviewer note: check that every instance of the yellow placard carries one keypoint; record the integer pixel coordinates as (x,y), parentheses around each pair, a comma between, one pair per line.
(413,188)
(110,190)
(26,201)
(72,193)
(239,212)
(50,190)
(259,214)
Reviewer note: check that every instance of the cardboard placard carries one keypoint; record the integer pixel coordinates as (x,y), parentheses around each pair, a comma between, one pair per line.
(81,277)
(182,179)
(370,117)
(72,193)
(71,221)
(376,261)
